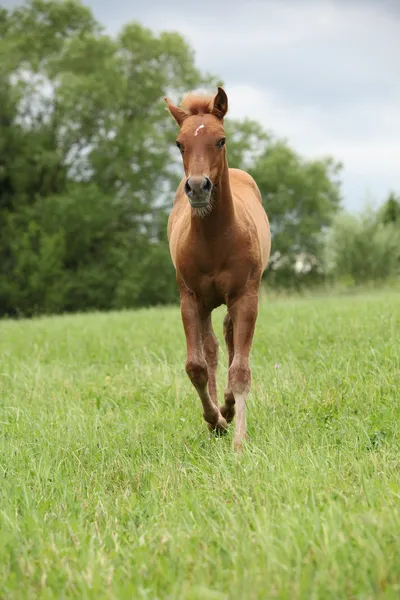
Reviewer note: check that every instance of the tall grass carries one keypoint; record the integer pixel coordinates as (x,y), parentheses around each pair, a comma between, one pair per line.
(110,486)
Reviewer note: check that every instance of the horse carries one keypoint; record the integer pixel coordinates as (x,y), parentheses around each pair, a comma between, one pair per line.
(219,240)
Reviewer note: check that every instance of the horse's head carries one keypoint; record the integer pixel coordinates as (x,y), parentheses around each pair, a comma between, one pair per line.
(201,140)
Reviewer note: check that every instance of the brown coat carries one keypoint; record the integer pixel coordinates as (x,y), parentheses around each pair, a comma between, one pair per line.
(220,243)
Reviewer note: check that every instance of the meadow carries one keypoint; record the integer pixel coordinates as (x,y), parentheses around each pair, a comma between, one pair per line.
(112,488)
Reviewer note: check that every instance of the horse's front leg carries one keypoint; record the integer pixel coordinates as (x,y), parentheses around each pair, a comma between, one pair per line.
(243,311)
(210,348)
(195,321)
(228,408)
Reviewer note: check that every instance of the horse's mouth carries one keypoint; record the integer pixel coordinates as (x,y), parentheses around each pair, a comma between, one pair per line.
(199,200)
(199,204)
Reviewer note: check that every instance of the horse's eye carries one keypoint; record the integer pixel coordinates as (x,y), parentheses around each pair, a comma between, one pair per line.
(179,146)
(221,143)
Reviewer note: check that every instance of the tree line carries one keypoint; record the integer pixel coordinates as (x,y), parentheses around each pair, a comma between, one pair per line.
(88,170)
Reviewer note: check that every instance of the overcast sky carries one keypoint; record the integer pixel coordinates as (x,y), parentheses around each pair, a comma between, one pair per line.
(324,74)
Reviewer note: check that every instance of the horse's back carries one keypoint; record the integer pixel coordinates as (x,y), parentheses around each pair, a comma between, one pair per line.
(248,202)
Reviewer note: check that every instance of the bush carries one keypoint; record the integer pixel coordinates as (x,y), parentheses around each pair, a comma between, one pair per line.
(79,251)
(363,248)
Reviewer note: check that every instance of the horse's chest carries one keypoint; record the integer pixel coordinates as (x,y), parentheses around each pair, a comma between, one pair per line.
(214,269)
(213,283)
(212,288)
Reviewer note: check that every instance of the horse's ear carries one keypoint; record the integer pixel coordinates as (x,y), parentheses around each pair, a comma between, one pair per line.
(220,106)
(178,114)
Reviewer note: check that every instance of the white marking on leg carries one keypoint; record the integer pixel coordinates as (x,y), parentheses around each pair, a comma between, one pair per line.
(240,401)
(240,433)
(198,129)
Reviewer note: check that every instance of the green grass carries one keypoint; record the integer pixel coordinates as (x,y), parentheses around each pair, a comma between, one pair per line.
(110,486)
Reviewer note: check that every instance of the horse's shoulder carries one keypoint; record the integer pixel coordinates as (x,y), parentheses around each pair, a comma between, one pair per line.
(240,178)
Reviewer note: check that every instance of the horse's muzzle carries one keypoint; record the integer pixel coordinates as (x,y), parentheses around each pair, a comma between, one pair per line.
(198,190)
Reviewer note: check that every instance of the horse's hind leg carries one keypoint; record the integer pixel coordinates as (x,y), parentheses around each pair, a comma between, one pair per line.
(228,408)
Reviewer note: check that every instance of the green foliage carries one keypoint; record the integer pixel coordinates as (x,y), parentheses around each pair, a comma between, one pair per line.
(111,487)
(246,142)
(85,160)
(88,169)
(363,248)
(300,197)
(76,251)
(390,211)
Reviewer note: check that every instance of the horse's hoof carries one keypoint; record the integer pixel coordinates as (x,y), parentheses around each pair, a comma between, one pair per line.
(220,428)
(228,412)
(239,442)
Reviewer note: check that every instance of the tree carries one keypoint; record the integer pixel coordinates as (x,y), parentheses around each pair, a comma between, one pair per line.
(85,156)
(247,140)
(88,167)
(390,211)
(300,196)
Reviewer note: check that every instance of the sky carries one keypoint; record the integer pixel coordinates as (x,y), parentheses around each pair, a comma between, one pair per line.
(322,74)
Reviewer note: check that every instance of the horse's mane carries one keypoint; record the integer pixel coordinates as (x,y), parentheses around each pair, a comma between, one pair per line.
(197,104)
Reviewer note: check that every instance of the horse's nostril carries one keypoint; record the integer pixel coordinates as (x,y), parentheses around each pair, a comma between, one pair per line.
(207,185)
(197,185)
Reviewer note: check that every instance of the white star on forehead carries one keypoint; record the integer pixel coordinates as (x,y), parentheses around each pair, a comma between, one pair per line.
(198,129)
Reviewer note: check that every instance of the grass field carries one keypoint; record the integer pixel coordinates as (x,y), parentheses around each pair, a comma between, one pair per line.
(110,486)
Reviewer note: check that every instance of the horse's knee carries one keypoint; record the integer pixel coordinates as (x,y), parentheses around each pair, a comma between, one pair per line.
(239,376)
(197,372)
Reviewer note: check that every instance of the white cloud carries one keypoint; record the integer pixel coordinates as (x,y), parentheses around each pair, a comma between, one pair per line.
(352,135)
(368,147)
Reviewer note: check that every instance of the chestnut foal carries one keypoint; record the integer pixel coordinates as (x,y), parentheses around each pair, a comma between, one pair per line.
(220,243)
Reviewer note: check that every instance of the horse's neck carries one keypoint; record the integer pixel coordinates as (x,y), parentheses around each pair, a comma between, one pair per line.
(223,200)
(222,213)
